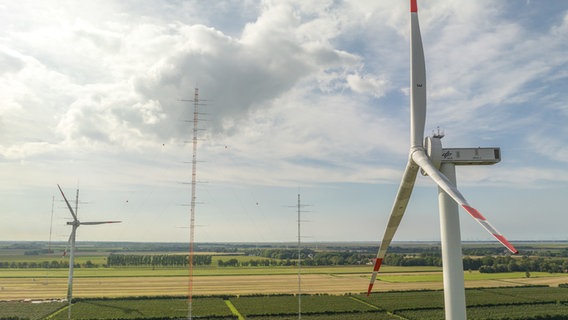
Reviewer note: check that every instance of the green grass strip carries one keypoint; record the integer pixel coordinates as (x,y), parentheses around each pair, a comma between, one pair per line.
(61,310)
(365,303)
(234,310)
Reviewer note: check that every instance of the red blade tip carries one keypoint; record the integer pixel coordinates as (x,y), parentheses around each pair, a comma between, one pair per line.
(370,289)
(506,243)
(413,6)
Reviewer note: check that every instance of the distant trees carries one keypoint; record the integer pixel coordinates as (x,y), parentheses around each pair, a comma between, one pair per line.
(161,260)
(54,264)
(485,264)
(510,264)
(309,257)
(422,259)
(115,260)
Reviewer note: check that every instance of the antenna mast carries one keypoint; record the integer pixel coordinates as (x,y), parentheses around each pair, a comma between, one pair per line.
(196,104)
(299,207)
(439,134)
(299,263)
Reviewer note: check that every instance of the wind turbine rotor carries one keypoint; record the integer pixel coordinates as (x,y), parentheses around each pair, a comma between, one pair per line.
(418,159)
(71,242)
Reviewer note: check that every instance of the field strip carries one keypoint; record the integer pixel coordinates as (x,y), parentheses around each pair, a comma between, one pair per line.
(90,287)
(208,271)
(234,309)
(365,303)
(53,315)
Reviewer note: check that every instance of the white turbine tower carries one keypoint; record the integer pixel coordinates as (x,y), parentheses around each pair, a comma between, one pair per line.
(419,159)
(75,224)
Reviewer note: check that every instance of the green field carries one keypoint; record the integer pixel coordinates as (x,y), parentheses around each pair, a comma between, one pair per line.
(147,309)
(520,303)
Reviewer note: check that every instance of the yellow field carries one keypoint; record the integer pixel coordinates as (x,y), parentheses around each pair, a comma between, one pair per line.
(331,283)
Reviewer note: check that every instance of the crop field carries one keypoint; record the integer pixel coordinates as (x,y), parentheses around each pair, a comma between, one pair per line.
(147,309)
(518,303)
(92,283)
(266,292)
(28,310)
(20,284)
(286,305)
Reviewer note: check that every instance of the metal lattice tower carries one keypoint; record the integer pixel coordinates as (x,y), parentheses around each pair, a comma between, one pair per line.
(192,210)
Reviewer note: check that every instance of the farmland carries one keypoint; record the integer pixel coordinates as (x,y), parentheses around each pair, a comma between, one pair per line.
(519,303)
(218,288)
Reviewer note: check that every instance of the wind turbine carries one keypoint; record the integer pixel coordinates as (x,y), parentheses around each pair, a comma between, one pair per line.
(75,224)
(419,159)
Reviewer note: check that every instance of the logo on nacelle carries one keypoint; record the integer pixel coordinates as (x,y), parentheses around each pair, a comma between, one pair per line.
(447,154)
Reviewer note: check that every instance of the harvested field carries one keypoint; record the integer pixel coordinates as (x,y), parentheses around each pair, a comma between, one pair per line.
(30,288)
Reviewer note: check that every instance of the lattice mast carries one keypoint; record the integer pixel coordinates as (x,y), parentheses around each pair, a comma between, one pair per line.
(299,207)
(299,262)
(193,191)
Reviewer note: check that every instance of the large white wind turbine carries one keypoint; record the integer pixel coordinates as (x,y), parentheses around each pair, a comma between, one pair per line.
(75,224)
(418,157)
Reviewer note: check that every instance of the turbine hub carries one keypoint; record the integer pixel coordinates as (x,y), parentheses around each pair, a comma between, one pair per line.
(433,148)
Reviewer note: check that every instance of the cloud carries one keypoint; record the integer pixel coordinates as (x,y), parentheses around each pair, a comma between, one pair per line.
(368,85)
(285,73)
(240,75)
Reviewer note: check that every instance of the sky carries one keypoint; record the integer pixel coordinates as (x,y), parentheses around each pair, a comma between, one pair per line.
(296,97)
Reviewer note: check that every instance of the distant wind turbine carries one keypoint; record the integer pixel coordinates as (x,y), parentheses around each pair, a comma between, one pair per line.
(75,224)
(420,159)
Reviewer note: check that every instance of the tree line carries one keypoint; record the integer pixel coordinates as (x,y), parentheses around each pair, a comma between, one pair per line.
(54,264)
(491,264)
(161,260)
(485,264)
(309,257)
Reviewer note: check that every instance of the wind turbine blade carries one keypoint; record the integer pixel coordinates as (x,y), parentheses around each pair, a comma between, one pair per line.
(417,80)
(417,122)
(420,157)
(398,209)
(99,222)
(71,236)
(68,205)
